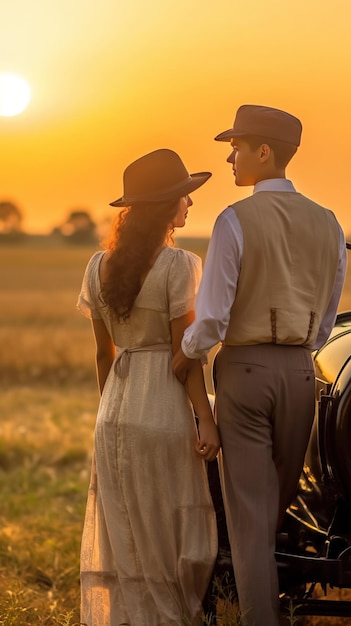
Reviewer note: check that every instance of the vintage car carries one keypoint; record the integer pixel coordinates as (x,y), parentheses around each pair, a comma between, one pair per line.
(314,545)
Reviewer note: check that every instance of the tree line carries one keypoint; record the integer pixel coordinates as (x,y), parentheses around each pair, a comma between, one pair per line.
(78,227)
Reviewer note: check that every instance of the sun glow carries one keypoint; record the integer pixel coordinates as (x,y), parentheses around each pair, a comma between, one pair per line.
(14,94)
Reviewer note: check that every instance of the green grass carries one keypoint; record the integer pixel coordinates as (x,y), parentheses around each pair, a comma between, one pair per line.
(45,447)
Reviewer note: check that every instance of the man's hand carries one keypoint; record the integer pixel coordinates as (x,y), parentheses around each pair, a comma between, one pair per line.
(181,365)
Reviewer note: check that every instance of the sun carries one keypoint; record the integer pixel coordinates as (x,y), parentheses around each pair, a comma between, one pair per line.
(14,94)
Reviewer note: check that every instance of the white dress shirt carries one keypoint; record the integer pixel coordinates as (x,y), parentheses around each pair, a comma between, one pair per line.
(219,281)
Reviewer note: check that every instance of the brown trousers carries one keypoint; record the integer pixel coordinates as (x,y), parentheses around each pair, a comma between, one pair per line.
(265,408)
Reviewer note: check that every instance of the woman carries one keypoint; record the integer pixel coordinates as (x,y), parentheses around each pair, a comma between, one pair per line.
(149,540)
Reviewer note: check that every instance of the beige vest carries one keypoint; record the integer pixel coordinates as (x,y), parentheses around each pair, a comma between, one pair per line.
(289,264)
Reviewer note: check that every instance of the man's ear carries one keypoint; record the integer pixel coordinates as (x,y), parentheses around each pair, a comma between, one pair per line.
(264,152)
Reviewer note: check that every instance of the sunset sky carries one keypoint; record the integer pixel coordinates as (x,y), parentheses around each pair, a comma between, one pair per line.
(114,79)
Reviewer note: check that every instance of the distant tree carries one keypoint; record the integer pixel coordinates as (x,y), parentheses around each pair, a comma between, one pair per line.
(10,218)
(79,228)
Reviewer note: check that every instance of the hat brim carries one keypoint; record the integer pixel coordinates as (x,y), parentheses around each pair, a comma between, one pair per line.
(227,135)
(191,184)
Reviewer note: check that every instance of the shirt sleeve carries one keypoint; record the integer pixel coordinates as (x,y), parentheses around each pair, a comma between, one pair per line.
(329,318)
(183,283)
(217,288)
(88,299)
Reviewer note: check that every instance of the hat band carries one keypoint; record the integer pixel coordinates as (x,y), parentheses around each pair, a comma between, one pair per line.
(166,192)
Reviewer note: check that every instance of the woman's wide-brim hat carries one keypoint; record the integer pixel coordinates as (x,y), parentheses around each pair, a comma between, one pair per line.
(156,177)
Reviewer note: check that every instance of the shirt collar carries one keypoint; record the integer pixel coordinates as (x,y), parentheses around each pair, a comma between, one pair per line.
(274,184)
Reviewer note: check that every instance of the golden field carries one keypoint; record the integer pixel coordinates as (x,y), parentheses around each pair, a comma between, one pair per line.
(48,404)
(44,339)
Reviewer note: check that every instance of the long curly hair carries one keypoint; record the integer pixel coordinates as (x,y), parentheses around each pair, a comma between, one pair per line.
(137,233)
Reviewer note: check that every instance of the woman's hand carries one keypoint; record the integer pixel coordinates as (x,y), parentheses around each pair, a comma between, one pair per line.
(209,442)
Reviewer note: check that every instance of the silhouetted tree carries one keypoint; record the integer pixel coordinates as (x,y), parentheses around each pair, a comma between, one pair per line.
(10,218)
(79,228)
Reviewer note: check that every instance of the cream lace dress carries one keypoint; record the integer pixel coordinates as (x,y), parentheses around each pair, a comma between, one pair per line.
(149,541)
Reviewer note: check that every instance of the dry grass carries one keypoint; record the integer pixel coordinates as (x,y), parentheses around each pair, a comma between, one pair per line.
(45,338)
(48,403)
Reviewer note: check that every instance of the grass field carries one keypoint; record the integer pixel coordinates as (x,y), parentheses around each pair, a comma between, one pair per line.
(48,403)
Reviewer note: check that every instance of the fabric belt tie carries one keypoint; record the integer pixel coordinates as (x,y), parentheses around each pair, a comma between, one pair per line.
(121,364)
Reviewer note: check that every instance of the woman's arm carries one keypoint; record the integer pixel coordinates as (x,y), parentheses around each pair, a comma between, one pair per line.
(105,351)
(209,442)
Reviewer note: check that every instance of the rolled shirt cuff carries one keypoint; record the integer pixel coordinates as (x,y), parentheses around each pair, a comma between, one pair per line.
(190,353)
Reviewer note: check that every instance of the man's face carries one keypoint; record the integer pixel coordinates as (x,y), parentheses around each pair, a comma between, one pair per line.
(245,162)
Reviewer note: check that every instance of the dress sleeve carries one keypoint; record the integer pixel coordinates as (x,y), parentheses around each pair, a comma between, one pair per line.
(183,283)
(88,299)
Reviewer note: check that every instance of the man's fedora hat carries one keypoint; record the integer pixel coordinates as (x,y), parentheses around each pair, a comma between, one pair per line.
(252,119)
(158,176)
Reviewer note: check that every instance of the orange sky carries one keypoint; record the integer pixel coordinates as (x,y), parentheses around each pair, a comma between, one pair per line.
(114,79)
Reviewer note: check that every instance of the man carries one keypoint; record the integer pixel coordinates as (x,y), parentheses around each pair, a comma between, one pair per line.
(270,290)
